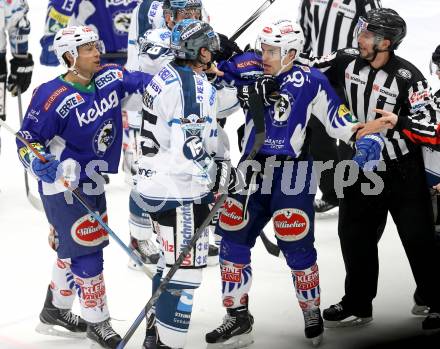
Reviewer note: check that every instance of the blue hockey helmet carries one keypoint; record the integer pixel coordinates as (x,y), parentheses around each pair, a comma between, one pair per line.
(189,36)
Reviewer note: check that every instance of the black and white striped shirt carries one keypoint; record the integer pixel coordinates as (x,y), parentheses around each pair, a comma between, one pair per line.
(329,25)
(398,87)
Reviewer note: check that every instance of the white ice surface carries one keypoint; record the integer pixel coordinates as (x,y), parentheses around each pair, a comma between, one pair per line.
(26,259)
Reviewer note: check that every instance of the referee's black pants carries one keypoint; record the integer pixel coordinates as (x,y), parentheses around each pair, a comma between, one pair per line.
(361,221)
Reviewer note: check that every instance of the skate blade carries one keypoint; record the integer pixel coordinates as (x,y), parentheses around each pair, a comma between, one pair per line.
(236,342)
(316,341)
(332,213)
(148,269)
(58,331)
(94,345)
(212,261)
(351,321)
(420,310)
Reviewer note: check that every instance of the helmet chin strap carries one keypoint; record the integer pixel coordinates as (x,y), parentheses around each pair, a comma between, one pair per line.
(75,72)
(284,66)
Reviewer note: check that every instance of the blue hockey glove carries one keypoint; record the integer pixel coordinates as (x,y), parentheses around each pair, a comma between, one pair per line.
(368,150)
(48,56)
(45,171)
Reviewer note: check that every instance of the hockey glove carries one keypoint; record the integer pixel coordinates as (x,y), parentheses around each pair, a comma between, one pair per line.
(21,74)
(228,179)
(368,151)
(227,49)
(264,87)
(45,171)
(48,56)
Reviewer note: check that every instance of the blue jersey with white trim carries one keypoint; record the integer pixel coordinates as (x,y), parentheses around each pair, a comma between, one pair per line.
(81,124)
(303,91)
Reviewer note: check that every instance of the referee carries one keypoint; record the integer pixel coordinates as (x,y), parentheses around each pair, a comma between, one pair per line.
(328,25)
(374,77)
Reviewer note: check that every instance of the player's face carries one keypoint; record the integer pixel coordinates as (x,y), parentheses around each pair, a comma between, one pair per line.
(88,57)
(271,56)
(188,13)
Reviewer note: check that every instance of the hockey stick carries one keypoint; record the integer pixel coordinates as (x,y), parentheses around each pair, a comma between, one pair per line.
(132,253)
(273,249)
(34,201)
(257,108)
(253,17)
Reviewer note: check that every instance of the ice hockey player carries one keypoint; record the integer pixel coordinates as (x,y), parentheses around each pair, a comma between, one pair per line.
(14,23)
(150,55)
(281,193)
(179,127)
(75,122)
(109,18)
(154,53)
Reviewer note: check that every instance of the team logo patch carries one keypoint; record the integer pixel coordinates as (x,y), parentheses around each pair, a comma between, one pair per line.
(231,272)
(121,22)
(231,217)
(404,73)
(87,231)
(291,224)
(306,281)
(108,77)
(104,138)
(228,301)
(351,51)
(282,110)
(53,97)
(70,102)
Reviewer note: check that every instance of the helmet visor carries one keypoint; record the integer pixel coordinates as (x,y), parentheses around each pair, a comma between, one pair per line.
(265,50)
(367,31)
(188,13)
(213,42)
(90,46)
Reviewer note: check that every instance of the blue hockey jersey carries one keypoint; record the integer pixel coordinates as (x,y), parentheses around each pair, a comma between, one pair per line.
(109,18)
(304,91)
(81,124)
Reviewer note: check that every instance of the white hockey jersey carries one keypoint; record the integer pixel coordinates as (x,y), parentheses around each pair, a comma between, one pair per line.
(14,23)
(179,137)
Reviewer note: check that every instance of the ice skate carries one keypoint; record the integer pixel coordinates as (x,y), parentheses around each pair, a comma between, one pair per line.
(419,308)
(60,322)
(235,331)
(432,321)
(338,316)
(325,209)
(314,326)
(102,335)
(150,341)
(147,250)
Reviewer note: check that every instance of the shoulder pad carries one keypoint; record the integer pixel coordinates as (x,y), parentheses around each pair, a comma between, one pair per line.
(159,37)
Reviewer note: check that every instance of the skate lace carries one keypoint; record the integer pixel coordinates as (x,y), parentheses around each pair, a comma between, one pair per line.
(147,247)
(228,323)
(70,317)
(311,318)
(338,307)
(434,315)
(105,330)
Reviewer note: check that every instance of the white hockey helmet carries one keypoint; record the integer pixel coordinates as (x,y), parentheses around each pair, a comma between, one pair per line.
(284,34)
(68,39)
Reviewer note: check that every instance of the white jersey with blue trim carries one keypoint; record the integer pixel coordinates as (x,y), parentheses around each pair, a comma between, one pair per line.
(179,136)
